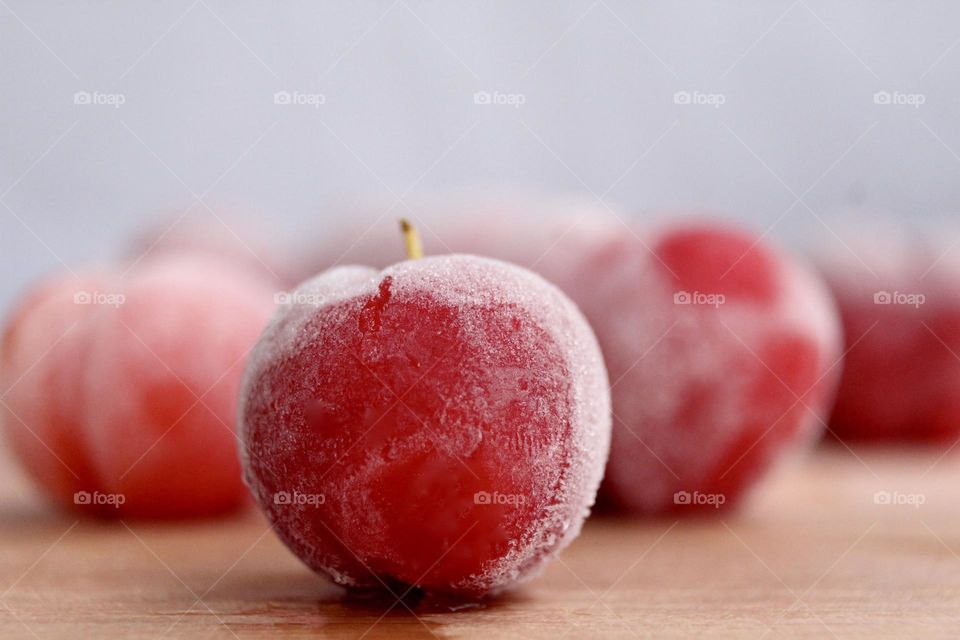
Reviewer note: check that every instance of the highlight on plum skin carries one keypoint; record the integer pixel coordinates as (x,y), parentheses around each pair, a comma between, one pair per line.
(120,393)
(442,424)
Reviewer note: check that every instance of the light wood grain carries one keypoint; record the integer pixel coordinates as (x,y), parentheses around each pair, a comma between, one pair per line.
(813,557)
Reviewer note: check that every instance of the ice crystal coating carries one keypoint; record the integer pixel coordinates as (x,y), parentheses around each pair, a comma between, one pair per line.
(443,424)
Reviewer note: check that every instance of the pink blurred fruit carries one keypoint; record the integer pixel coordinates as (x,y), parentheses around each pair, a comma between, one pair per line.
(120,393)
(41,358)
(442,424)
(723,352)
(722,355)
(221,233)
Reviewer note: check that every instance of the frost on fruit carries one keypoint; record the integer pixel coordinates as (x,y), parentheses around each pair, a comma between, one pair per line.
(453,412)
(126,386)
(720,354)
(40,360)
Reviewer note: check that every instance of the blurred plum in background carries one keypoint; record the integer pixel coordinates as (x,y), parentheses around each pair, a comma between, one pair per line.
(120,388)
(233,233)
(898,291)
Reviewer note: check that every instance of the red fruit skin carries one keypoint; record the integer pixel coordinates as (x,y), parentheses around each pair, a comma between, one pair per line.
(901,370)
(176,348)
(40,361)
(111,407)
(708,391)
(405,397)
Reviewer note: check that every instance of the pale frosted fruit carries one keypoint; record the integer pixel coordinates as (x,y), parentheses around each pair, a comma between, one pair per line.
(122,391)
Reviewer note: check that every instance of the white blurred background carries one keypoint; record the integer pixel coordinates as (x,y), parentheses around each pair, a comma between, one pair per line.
(780,123)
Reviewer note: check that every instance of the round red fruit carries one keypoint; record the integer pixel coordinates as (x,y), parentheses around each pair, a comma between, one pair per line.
(441,424)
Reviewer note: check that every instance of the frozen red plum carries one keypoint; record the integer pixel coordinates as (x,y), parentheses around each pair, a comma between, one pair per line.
(442,424)
(898,292)
(723,355)
(121,390)
(41,359)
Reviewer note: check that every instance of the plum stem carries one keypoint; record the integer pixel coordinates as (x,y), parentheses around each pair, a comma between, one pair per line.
(411,240)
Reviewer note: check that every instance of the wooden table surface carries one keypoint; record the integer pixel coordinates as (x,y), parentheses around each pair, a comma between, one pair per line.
(816,555)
